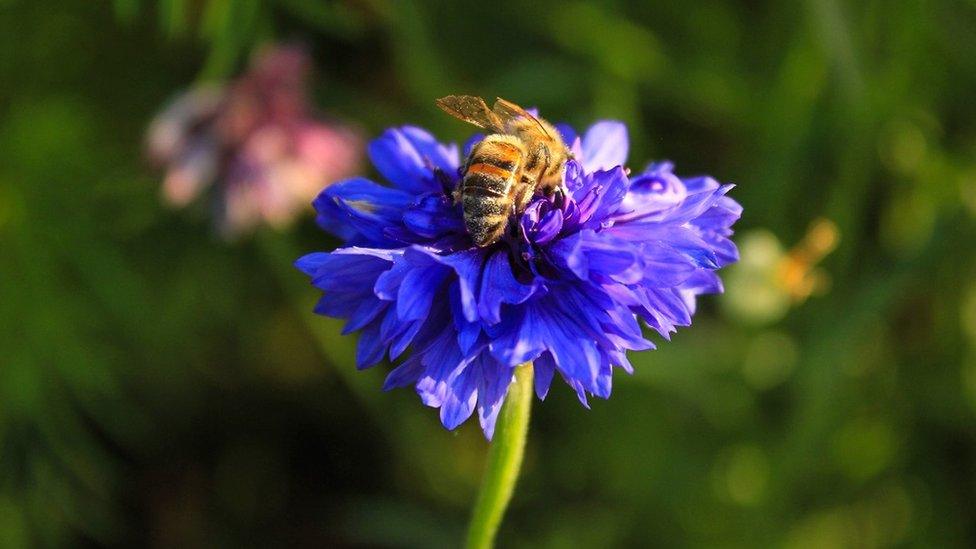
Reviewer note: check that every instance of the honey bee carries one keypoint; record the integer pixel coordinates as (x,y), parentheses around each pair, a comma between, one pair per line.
(522,155)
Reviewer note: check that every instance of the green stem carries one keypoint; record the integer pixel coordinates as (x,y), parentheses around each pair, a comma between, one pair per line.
(504,461)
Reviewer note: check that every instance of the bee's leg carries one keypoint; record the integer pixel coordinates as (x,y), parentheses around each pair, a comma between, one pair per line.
(542,150)
(556,192)
(559,195)
(523,194)
(456,193)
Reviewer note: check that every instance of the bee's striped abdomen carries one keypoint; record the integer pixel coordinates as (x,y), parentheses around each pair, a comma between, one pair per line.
(486,190)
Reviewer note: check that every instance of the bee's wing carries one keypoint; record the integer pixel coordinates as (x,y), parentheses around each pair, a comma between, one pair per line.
(506,110)
(472,110)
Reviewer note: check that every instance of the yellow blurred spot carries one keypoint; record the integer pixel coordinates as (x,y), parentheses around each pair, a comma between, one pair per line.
(752,292)
(767,281)
(797,273)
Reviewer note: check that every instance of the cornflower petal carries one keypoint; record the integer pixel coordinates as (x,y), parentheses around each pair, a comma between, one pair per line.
(605,145)
(406,155)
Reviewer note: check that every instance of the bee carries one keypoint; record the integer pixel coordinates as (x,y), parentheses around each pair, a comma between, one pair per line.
(521,156)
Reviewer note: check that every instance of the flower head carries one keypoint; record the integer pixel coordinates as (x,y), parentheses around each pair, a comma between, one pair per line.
(256,140)
(565,288)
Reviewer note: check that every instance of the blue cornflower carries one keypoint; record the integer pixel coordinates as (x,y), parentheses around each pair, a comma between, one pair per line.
(565,290)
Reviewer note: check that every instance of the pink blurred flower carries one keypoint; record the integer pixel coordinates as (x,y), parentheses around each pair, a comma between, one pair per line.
(255,141)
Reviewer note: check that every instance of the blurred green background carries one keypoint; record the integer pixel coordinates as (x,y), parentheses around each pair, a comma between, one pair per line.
(161,387)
